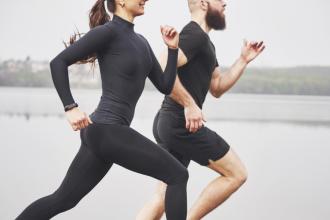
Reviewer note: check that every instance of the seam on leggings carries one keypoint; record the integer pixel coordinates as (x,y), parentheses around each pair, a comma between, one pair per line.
(91,149)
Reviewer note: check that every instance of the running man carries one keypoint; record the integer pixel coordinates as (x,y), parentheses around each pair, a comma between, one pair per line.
(178,126)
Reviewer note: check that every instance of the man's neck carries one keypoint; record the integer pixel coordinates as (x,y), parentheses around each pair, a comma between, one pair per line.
(201,21)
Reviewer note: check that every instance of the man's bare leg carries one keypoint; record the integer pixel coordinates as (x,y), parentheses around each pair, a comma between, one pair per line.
(233,175)
(154,209)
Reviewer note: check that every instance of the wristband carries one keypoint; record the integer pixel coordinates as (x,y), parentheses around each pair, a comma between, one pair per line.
(71,106)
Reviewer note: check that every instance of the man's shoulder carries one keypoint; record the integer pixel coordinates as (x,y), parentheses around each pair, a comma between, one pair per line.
(193,28)
(192,31)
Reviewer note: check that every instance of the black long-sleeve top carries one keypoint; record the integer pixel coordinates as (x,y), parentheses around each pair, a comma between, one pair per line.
(125,59)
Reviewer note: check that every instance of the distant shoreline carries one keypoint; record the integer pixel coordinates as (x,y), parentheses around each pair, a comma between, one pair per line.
(314,110)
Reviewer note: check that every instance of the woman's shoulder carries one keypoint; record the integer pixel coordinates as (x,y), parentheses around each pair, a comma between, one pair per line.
(106,30)
(109,25)
(143,39)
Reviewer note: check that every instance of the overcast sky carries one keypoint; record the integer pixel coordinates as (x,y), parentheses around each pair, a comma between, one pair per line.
(296,32)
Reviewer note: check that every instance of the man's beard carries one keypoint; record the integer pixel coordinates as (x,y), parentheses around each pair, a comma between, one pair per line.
(215,20)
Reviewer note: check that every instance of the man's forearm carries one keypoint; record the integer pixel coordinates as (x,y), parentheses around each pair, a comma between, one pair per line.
(180,94)
(231,76)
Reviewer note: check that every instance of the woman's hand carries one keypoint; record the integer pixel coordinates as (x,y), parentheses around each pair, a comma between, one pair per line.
(170,36)
(251,50)
(77,119)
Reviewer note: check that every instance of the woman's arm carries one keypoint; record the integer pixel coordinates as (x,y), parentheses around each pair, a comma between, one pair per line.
(90,43)
(164,81)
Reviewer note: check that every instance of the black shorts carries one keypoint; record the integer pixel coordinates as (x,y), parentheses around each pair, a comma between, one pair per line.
(170,133)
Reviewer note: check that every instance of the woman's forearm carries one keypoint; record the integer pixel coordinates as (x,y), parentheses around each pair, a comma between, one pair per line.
(164,81)
(170,71)
(60,76)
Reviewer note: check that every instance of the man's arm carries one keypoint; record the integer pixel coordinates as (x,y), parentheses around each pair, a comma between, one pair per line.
(221,83)
(193,114)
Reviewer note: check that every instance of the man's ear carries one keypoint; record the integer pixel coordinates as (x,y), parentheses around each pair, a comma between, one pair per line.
(204,5)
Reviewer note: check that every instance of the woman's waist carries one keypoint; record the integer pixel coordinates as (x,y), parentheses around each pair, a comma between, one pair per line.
(113,110)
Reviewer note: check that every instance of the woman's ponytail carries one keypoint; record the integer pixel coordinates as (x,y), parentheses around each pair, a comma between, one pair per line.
(97,16)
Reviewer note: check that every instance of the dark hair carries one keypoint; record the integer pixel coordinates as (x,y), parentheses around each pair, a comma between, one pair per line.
(97,16)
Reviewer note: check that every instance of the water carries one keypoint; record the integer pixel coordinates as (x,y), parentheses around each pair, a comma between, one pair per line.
(287,156)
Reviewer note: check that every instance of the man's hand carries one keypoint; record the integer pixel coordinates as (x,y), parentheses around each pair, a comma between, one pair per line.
(251,50)
(194,117)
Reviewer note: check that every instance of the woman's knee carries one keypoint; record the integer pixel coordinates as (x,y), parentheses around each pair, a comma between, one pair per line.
(179,175)
(69,204)
(64,203)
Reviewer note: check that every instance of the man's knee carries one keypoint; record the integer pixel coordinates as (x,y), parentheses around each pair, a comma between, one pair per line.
(240,176)
(231,167)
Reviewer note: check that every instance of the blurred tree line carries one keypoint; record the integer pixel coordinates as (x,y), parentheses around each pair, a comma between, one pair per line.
(309,80)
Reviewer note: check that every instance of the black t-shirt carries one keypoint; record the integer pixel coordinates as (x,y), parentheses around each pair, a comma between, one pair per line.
(196,74)
(126,60)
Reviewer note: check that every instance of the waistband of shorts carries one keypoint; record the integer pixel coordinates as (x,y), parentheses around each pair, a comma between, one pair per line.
(170,105)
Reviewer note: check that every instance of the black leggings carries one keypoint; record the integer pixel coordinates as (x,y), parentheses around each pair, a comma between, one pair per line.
(102,145)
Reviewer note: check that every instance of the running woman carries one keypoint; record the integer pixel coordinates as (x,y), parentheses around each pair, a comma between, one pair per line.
(178,126)
(126,60)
